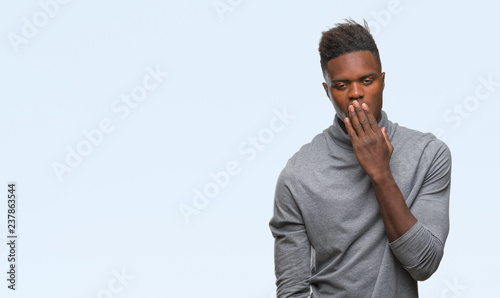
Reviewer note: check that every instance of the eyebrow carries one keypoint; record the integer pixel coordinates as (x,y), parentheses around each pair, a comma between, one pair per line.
(363,77)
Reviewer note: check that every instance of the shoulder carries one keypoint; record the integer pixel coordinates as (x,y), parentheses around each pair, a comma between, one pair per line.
(310,155)
(414,141)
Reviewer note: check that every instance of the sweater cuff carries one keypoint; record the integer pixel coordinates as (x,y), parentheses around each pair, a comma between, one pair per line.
(419,251)
(396,244)
(409,247)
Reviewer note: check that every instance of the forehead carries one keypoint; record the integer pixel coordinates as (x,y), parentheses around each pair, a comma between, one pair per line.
(353,65)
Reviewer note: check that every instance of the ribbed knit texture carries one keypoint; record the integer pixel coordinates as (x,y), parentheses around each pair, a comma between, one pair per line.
(325,206)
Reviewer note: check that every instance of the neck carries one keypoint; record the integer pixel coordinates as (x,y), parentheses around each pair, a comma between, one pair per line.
(342,125)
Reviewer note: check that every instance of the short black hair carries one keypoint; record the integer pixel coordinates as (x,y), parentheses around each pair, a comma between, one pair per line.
(346,38)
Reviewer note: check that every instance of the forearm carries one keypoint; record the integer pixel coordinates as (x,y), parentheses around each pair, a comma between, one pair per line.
(397,218)
(418,245)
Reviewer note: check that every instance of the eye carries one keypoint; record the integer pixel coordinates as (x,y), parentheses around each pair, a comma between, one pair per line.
(340,86)
(367,81)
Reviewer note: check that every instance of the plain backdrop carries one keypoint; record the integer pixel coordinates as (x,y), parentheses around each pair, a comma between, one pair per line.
(133,182)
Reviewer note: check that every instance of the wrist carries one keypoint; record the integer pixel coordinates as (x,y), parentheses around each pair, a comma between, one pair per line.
(381,177)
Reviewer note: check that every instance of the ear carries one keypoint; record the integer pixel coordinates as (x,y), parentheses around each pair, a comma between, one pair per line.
(325,86)
(383,80)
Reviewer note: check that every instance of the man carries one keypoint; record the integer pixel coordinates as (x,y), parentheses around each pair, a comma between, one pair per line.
(362,210)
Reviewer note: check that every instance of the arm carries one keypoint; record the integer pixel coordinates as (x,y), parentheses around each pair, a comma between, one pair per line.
(421,249)
(418,245)
(373,151)
(292,250)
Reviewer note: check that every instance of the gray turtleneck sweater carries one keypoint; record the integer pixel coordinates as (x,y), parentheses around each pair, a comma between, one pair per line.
(329,236)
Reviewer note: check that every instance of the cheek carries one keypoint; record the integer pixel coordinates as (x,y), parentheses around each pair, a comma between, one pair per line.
(339,100)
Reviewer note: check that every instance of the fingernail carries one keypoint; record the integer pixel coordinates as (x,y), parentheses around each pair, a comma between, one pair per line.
(365,106)
(351,108)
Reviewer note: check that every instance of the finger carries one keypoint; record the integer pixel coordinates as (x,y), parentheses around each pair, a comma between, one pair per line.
(355,121)
(386,137)
(362,117)
(350,129)
(371,119)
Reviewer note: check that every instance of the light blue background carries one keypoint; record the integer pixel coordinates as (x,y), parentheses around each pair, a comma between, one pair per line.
(228,73)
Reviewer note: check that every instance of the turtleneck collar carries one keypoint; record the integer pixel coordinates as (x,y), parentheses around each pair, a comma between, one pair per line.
(340,138)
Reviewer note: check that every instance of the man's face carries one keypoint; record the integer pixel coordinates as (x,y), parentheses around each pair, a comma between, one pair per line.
(354,76)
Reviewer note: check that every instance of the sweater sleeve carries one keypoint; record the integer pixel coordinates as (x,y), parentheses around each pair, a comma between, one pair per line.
(421,248)
(292,250)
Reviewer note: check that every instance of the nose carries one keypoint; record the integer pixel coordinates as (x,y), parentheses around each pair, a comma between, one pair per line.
(355,91)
